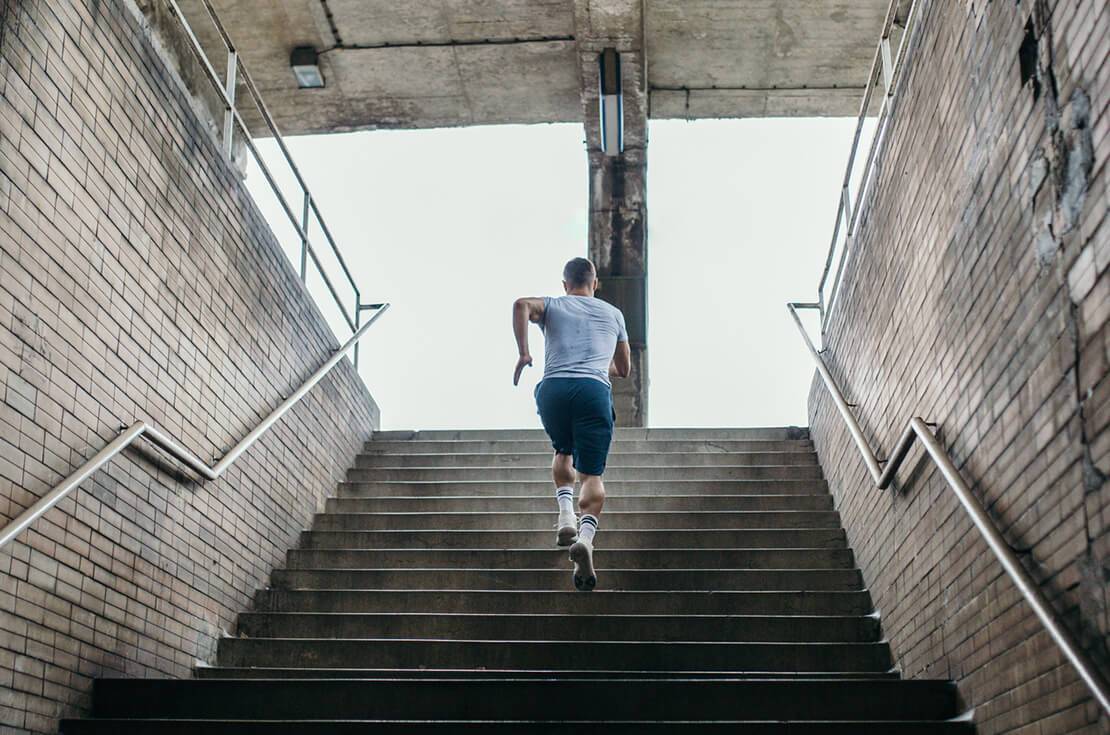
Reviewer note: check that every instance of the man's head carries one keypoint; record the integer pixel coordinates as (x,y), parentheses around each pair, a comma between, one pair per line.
(580,277)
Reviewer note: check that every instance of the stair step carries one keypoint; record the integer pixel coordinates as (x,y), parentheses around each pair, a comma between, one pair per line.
(542,521)
(790,538)
(619,447)
(574,627)
(614,503)
(615,473)
(543,488)
(446,727)
(566,602)
(601,654)
(542,460)
(774,433)
(553,558)
(529,699)
(718,580)
(256,672)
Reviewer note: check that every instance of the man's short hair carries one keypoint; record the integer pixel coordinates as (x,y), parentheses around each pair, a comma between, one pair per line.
(579,272)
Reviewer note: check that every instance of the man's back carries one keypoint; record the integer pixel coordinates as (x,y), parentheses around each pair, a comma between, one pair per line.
(580,333)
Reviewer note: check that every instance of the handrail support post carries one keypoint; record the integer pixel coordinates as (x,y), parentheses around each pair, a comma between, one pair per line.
(888,65)
(358,321)
(229,112)
(304,237)
(846,200)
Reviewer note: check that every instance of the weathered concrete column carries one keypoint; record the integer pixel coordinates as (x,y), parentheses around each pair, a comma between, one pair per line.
(618,184)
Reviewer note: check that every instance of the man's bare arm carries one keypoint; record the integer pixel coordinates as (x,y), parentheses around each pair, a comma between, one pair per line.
(524,310)
(621,365)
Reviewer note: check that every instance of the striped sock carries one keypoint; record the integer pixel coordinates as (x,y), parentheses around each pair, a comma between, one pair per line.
(565,496)
(587,527)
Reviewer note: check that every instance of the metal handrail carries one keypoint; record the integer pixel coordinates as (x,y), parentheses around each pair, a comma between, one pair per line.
(236,69)
(848,207)
(131,434)
(918,428)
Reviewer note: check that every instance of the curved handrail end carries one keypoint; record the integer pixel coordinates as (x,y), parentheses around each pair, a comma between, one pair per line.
(130,434)
(918,428)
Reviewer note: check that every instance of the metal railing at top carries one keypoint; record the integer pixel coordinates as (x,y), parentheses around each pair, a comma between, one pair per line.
(226,89)
(130,434)
(918,428)
(886,67)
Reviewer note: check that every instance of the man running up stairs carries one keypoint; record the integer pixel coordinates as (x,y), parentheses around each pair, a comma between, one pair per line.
(587,344)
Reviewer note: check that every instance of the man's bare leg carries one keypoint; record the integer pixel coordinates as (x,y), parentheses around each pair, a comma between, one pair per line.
(591,498)
(590,501)
(562,470)
(562,474)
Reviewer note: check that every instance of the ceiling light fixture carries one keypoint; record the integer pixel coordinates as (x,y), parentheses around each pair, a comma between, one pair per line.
(306,67)
(612,110)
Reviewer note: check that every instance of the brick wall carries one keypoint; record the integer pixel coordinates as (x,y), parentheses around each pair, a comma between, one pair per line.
(138,281)
(977,297)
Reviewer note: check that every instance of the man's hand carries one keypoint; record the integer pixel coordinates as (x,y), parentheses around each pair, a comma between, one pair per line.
(523,362)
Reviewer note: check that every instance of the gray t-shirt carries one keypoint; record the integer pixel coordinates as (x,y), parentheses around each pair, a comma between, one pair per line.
(580,336)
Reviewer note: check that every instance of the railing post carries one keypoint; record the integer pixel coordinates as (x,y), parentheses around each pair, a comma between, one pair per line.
(229,114)
(888,65)
(304,237)
(358,321)
(846,202)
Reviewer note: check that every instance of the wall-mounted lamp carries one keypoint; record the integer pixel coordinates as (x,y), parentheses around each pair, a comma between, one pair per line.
(612,110)
(306,67)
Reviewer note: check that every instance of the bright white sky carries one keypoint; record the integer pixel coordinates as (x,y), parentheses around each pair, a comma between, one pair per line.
(452,225)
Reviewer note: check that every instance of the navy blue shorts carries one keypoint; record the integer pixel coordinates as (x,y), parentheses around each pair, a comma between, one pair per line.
(577,414)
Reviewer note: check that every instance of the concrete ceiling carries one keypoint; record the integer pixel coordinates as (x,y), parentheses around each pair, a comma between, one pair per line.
(439,63)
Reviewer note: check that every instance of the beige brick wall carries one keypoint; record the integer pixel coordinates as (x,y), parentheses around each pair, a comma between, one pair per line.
(977,297)
(138,281)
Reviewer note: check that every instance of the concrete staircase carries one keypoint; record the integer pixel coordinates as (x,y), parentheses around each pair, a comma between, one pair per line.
(430,598)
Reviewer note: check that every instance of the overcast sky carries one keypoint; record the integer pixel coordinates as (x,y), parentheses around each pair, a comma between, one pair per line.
(451,225)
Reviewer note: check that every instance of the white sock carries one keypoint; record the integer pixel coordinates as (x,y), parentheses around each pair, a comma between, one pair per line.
(565,496)
(587,527)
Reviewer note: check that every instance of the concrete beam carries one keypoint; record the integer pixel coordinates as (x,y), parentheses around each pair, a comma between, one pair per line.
(685,103)
(618,184)
(392,64)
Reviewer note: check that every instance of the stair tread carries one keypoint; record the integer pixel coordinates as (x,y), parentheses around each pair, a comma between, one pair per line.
(555,654)
(422,727)
(552,513)
(613,539)
(433,674)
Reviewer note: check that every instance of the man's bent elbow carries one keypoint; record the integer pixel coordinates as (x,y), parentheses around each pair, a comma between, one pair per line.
(532,309)
(622,360)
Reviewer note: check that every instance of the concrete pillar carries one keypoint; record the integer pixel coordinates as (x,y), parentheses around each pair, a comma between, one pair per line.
(618,246)
(618,184)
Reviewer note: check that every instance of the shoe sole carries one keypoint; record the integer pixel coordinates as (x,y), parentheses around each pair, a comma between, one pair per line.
(585,579)
(566,536)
